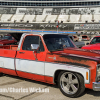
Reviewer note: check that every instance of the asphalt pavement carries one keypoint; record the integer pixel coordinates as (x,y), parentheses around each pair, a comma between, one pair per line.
(16,88)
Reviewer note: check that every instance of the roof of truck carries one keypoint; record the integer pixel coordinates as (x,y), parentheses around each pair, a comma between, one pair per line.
(41,33)
(17,36)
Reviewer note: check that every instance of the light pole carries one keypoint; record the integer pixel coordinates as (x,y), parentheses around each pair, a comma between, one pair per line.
(57,23)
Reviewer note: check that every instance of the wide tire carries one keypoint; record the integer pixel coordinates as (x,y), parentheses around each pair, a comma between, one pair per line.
(71,84)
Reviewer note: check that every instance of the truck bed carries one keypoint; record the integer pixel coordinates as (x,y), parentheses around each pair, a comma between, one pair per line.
(7,59)
(11,47)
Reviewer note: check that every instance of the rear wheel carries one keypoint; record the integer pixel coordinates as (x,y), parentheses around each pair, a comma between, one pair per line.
(71,84)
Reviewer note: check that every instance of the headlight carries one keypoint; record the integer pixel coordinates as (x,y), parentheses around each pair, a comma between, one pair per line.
(98,72)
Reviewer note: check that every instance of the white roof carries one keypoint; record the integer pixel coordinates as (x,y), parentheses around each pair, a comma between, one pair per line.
(40,33)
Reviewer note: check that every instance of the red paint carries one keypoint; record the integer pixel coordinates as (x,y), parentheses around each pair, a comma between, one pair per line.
(49,79)
(8,71)
(31,76)
(7,53)
(93,46)
(36,77)
(8,40)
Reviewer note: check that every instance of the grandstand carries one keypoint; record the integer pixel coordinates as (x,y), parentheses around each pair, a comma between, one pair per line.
(49,18)
(73,15)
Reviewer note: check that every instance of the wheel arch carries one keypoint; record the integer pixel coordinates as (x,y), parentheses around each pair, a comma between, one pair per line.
(57,72)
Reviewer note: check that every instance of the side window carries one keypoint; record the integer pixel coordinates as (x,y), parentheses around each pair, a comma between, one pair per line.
(32,40)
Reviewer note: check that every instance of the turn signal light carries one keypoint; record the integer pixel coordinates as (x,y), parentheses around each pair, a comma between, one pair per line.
(87,76)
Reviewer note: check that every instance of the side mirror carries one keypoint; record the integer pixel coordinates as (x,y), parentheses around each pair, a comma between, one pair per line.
(87,43)
(34,47)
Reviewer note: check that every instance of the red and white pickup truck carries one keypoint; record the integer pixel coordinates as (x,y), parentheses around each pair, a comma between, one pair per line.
(52,58)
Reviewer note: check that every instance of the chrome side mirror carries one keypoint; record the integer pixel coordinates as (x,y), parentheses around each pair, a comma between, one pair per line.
(34,47)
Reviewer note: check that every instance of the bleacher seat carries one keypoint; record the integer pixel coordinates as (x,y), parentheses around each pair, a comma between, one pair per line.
(63,18)
(17,18)
(86,18)
(29,18)
(5,17)
(74,18)
(40,18)
(51,18)
(96,18)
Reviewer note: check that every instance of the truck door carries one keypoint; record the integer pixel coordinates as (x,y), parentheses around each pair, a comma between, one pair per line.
(26,63)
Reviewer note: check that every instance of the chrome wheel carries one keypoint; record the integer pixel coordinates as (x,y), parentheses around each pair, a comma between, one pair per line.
(69,83)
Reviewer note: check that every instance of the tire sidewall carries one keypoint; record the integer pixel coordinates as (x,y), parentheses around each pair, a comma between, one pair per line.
(69,95)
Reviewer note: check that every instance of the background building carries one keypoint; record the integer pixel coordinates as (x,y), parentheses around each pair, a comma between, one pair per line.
(73,15)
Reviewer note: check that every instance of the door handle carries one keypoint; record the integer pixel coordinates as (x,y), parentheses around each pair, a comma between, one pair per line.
(21,52)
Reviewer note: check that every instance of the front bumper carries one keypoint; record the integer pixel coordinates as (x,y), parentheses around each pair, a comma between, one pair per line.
(96,86)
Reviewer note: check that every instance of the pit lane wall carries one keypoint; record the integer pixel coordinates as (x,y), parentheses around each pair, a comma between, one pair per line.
(52,26)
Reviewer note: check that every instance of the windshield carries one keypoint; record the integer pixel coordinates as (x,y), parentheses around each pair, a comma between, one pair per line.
(56,42)
(95,40)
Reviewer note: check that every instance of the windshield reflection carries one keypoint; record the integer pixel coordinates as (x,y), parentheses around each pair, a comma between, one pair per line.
(55,42)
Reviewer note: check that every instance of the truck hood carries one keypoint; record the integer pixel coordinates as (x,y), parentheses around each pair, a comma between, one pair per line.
(74,56)
(81,53)
(92,46)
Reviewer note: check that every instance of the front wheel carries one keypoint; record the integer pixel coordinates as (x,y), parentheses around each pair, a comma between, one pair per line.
(71,84)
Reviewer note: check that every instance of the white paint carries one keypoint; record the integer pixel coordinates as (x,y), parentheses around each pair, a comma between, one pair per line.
(29,66)
(41,68)
(50,69)
(1,64)
(7,63)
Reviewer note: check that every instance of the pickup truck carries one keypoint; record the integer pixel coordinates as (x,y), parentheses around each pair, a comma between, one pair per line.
(7,40)
(54,59)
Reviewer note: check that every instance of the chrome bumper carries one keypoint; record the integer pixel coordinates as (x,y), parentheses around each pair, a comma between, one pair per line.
(96,86)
